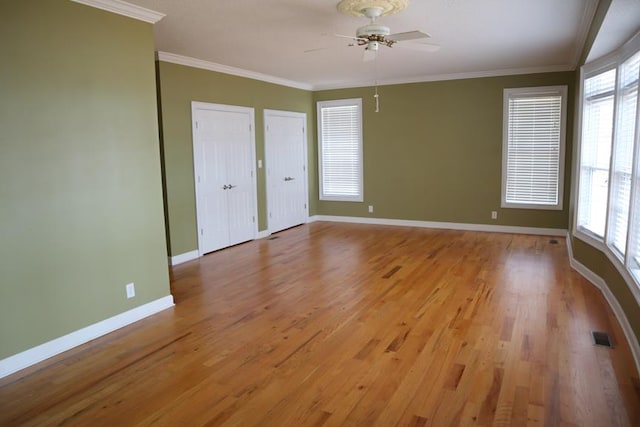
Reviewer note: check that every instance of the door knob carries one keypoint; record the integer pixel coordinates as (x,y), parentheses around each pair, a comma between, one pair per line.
(224,187)
(231,186)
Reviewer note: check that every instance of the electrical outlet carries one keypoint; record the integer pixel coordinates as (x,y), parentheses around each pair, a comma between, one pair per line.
(131,290)
(494,215)
(370,208)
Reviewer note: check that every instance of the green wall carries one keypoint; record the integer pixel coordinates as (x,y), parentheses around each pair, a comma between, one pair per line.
(179,85)
(80,187)
(434,152)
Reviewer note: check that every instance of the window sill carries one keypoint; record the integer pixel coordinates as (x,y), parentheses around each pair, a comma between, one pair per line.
(531,206)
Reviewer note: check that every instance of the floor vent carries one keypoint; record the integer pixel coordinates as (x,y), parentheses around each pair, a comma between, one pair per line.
(553,241)
(601,338)
(273,237)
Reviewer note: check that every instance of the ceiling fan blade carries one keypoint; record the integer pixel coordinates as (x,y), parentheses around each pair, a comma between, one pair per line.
(351,37)
(409,35)
(315,49)
(369,55)
(425,47)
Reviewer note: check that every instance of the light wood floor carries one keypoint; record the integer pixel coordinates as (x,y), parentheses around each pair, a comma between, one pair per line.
(344,324)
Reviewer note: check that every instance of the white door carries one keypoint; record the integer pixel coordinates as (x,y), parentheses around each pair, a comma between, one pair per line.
(223,149)
(285,160)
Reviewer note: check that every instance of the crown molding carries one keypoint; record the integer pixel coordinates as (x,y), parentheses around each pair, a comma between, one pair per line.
(125,9)
(452,76)
(585,26)
(239,72)
(212,66)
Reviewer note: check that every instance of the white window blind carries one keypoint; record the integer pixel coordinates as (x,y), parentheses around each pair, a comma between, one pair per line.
(622,164)
(533,147)
(340,149)
(595,152)
(634,233)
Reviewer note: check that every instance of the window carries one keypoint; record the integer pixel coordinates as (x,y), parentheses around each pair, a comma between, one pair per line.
(533,147)
(622,161)
(340,150)
(608,196)
(595,155)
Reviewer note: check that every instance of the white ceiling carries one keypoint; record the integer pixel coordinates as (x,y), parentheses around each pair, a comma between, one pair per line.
(478,38)
(620,24)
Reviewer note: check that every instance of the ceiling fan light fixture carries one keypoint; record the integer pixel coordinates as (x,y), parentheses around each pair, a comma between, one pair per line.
(365,8)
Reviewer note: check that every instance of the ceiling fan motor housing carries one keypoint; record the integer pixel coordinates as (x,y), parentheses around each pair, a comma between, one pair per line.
(373,30)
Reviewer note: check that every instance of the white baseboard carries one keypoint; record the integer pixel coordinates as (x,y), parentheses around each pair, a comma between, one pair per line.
(263,234)
(443,225)
(54,347)
(600,283)
(187,256)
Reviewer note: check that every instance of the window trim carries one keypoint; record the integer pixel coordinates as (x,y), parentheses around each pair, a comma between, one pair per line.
(340,103)
(612,60)
(536,90)
(587,71)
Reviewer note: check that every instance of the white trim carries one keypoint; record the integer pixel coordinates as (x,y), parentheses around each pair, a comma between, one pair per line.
(443,225)
(125,9)
(610,61)
(626,275)
(585,26)
(187,256)
(220,68)
(263,234)
(593,278)
(320,105)
(234,71)
(539,91)
(59,345)
(599,283)
(449,76)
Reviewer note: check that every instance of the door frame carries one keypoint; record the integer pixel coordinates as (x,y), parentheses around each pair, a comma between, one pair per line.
(195,106)
(283,113)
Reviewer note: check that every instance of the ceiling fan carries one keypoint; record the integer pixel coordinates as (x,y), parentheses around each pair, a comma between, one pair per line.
(373,35)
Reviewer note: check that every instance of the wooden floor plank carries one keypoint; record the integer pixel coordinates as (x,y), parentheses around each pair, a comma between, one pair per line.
(345,324)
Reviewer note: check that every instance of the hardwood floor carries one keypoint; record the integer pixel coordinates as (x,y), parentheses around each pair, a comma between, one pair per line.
(346,324)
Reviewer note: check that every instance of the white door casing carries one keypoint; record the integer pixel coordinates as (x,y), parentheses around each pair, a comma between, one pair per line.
(286,169)
(225,182)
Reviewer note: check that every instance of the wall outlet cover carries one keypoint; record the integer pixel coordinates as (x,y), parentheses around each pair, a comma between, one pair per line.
(131,290)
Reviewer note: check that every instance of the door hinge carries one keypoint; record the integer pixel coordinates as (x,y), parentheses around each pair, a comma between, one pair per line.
(270,216)
(196,124)
(198,179)
(254,219)
(202,232)
(250,128)
(304,168)
(251,174)
(305,206)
